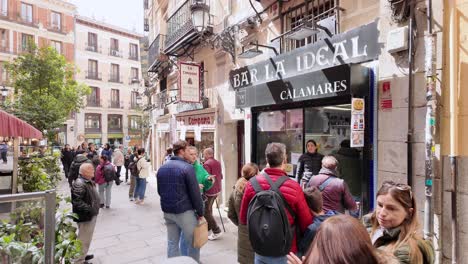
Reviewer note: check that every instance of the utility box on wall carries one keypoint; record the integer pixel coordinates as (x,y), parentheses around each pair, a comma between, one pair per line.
(397,40)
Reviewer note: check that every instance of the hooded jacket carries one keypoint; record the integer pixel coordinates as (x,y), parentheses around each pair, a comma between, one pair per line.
(75,166)
(311,231)
(85,199)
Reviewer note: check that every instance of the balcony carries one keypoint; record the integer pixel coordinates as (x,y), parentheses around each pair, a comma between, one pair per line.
(92,75)
(114,129)
(180,30)
(115,78)
(133,56)
(116,104)
(134,106)
(115,53)
(4,14)
(92,130)
(93,48)
(28,20)
(5,49)
(133,80)
(56,28)
(94,102)
(157,60)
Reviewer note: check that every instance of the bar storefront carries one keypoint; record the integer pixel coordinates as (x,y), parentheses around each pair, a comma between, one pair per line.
(323,92)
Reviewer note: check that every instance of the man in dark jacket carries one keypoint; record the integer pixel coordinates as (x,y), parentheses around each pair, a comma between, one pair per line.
(79,159)
(181,202)
(213,167)
(291,191)
(67,159)
(335,191)
(85,202)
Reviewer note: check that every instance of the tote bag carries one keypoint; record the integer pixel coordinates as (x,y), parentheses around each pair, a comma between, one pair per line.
(200,233)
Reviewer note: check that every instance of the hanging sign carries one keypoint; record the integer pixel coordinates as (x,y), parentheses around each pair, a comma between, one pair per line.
(189,82)
(357,123)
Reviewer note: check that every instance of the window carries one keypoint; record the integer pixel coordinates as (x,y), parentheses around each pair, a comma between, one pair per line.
(134,122)
(92,69)
(26,41)
(114,44)
(26,13)
(93,121)
(114,122)
(57,45)
(134,75)
(56,21)
(115,73)
(133,52)
(133,100)
(3,40)
(92,42)
(94,98)
(4,7)
(115,98)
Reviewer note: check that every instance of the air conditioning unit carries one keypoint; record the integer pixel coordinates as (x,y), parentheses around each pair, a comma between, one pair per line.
(92,48)
(114,52)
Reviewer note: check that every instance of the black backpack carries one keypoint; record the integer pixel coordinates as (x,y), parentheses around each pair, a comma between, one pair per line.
(133,168)
(109,172)
(270,232)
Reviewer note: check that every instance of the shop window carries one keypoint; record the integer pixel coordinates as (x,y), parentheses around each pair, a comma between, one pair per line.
(93,121)
(114,122)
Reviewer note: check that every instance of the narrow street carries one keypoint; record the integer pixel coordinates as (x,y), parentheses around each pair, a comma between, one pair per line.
(130,233)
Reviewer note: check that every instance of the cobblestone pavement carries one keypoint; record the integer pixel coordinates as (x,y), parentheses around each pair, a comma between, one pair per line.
(130,233)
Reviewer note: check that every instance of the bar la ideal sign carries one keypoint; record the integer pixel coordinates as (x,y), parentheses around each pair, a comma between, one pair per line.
(189,82)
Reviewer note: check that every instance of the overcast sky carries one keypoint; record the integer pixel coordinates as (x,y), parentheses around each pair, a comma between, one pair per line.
(123,13)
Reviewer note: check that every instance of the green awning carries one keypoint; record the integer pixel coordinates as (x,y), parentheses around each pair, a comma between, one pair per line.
(116,135)
(93,135)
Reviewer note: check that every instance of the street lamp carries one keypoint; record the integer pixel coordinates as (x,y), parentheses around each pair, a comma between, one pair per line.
(200,15)
(139,99)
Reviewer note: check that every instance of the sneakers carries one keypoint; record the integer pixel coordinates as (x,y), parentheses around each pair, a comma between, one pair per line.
(107,207)
(101,205)
(88,257)
(131,199)
(140,202)
(215,236)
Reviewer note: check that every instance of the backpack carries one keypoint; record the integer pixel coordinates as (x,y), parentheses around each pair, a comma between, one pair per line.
(133,168)
(108,172)
(270,232)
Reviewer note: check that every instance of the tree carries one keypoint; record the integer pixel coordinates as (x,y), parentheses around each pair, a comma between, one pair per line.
(45,90)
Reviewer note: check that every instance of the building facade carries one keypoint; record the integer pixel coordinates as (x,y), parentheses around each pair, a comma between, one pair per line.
(44,23)
(108,59)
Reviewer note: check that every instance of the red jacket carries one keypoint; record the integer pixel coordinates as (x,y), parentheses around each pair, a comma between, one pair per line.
(99,175)
(293,195)
(213,167)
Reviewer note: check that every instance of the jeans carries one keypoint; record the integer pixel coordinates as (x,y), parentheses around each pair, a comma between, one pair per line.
(179,225)
(140,188)
(126,173)
(259,259)
(4,157)
(119,169)
(85,235)
(105,187)
(212,225)
(66,169)
(131,190)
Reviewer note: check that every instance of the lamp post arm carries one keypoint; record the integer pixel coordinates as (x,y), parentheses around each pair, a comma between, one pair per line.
(265,46)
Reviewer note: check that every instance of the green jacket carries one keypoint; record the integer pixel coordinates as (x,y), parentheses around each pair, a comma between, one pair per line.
(202,176)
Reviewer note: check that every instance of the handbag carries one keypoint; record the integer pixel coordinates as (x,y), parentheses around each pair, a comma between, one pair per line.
(200,233)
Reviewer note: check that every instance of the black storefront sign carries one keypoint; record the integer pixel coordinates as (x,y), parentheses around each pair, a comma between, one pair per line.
(335,81)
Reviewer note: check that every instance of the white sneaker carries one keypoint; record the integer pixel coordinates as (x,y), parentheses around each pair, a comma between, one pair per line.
(215,236)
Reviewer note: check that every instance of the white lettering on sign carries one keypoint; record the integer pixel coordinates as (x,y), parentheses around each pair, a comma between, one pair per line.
(325,88)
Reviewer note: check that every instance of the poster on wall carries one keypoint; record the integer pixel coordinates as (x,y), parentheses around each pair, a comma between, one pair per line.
(189,82)
(357,123)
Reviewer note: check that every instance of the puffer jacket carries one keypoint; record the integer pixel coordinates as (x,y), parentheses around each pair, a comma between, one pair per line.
(178,187)
(336,195)
(75,166)
(245,253)
(85,199)
(99,174)
(118,158)
(293,195)
(309,164)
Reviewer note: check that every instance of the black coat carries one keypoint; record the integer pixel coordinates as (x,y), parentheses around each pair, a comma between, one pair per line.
(67,157)
(75,166)
(85,199)
(309,164)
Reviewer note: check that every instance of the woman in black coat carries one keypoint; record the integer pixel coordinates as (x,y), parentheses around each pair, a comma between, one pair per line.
(309,163)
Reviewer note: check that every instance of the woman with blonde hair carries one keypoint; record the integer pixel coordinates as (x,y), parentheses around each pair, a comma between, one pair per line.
(395,226)
(245,253)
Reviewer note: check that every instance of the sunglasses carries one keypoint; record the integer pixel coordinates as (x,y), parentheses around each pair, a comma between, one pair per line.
(400,186)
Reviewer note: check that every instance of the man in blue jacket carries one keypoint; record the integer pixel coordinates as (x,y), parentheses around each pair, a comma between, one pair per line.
(181,202)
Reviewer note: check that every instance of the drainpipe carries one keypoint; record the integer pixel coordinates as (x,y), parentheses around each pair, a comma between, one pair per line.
(453,87)
(430,127)
(409,139)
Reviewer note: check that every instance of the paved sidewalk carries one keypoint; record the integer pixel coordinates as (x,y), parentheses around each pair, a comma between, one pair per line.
(130,233)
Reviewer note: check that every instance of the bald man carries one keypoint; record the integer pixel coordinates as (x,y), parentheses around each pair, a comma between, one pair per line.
(85,201)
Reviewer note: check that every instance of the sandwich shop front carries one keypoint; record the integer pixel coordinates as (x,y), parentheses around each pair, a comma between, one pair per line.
(319,92)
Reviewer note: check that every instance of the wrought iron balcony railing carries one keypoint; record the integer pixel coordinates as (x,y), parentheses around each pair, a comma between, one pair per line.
(116,78)
(28,20)
(93,48)
(93,75)
(56,27)
(94,102)
(156,54)
(116,104)
(133,56)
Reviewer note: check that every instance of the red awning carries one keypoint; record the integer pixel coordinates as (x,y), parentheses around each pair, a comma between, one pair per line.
(11,126)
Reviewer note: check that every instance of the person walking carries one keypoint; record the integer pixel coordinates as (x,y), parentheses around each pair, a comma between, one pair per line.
(309,163)
(395,226)
(245,253)
(107,151)
(79,159)
(335,191)
(213,167)
(85,204)
(143,167)
(133,174)
(204,179)
(118,162)
(4,152)
(285,196)
(67,158)
(169,155)
(127,161)
(350,167)
(182,208)
(105,176)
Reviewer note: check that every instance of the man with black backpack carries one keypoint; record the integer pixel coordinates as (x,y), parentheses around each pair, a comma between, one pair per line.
(274,209)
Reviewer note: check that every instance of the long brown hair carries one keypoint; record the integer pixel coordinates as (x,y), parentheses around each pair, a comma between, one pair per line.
(410,228)
(249,170)
(341,239)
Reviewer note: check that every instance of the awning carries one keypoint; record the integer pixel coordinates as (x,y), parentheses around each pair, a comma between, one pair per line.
(11,126)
